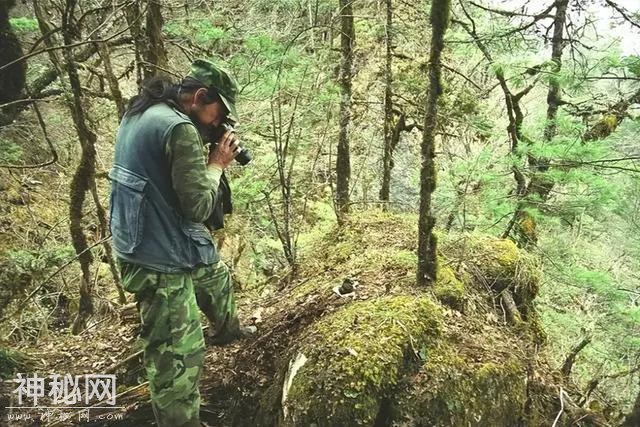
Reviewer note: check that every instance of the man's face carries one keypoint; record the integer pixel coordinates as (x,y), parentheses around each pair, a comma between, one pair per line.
(208,114)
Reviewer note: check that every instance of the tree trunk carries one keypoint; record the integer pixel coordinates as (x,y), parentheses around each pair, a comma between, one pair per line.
(388,111)
(427,243)
(84,174)
(541,184)
(633,418)
(12,78)
(343,162)
(133,15)
(155,53)
(112,80)
(104,232)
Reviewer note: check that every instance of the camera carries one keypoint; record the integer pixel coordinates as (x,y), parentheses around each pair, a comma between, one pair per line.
(244,155)
(212,135)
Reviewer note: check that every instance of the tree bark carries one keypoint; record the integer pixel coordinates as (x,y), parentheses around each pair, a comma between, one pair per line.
(112,80)
(540,183)
(427,242)
(104,232)
(155,53)
(343,162)
(567,366)
(85,171)
(133,16)
(388,110)
(12,78)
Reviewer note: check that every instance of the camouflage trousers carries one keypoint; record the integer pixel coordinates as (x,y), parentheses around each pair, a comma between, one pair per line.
(172,335)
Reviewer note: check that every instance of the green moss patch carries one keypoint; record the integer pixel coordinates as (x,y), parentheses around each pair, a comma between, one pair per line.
(454,389)
(355,358)
(498,264)
(449,289)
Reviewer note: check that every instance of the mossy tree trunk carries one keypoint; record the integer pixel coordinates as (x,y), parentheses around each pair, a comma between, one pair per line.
(540,184)
(387,161)
(13,77)
(85,172)
(343,162)
(133,15)
(112,80)
(155,53)
(427,242)
(83,177)
(609,122)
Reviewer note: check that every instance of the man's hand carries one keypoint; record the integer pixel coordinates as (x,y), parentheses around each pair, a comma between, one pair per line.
(225,151)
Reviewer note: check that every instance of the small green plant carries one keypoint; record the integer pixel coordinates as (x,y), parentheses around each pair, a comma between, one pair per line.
(203,31)
(10,152)
(19,269)
(23,24)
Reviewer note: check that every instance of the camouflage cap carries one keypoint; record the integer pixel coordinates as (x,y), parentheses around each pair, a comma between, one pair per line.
(217,78)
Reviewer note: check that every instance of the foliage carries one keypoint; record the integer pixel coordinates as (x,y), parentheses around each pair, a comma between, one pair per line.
(20,269)
(23,24)
(203,31)
(10,152)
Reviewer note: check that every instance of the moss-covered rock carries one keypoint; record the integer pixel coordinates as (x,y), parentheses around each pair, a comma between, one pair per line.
(449,289)
(393,359)
(355,358)
(457,389)
(499,265)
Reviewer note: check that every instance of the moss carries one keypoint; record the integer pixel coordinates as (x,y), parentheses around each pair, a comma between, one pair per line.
(500,264)
(449,289)
(454,389)
(12,362)
(528,227)
(356,357)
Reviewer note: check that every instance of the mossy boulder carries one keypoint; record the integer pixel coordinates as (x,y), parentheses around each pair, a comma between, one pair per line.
(458,389)
(449,289)
(356,357)
(394,353)
(498,264)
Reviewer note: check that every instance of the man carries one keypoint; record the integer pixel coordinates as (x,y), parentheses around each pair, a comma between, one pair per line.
(163,189)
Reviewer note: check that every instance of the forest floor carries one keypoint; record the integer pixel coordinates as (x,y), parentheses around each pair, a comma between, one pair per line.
(243,382)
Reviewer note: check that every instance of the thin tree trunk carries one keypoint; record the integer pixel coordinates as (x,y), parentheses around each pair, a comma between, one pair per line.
(104,232)
(514,128)
(427,242)
(540,183)
(155,53)
(567,365)
(12,78)
(85,172)
(343,162)
(112,80)
(133,16)
(388,110)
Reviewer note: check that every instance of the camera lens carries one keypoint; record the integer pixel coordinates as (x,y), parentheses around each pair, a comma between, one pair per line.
(244,156)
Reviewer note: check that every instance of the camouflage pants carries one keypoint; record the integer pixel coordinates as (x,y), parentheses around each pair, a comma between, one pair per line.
(172,335)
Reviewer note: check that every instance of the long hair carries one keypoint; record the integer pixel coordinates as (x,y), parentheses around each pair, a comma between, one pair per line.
(161,89)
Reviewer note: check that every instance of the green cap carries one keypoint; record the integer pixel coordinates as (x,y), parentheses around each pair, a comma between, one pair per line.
(210,75)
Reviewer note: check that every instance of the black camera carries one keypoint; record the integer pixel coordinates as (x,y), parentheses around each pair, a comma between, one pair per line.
(244,155)
(211,135)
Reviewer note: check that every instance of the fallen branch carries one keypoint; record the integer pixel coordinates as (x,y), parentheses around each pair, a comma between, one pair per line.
(571,358)
(555,422)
